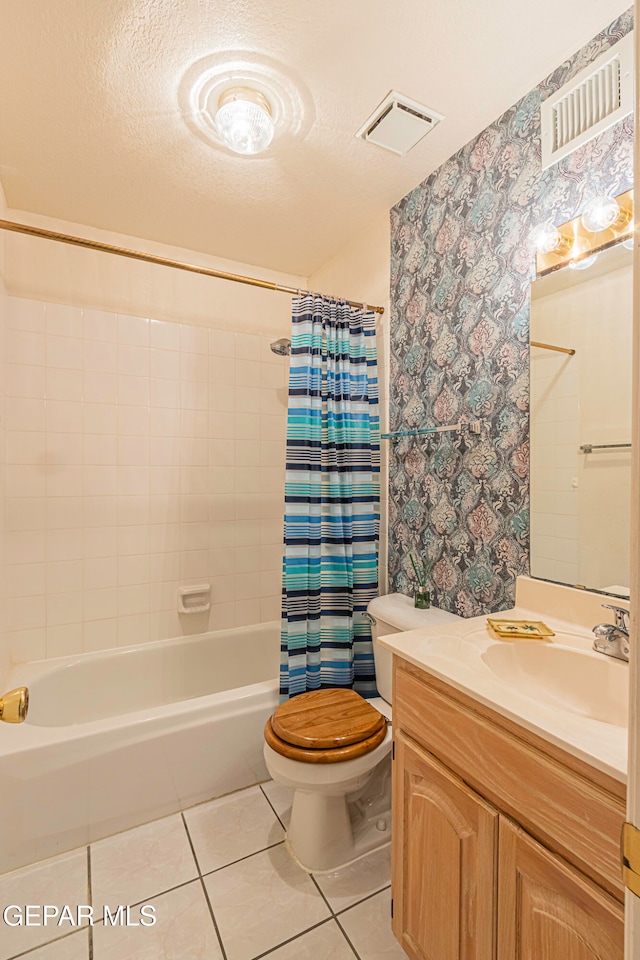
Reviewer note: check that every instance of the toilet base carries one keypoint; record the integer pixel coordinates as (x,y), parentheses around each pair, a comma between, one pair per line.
(345,827)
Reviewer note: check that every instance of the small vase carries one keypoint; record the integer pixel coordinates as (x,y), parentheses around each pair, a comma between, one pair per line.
(422,598)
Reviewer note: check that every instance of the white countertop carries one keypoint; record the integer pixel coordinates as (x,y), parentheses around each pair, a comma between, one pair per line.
(453,652)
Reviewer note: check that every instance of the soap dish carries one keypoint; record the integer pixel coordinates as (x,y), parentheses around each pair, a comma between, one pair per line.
(520,629)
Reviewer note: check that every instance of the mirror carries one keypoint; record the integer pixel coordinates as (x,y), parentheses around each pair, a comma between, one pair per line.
(581,424)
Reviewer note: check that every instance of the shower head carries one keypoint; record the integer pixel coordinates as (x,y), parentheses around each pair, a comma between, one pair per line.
(282,347)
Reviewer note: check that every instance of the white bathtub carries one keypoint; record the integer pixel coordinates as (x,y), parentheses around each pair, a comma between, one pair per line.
(116,738)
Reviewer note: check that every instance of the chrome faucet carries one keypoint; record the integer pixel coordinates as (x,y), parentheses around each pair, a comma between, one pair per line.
(612,639)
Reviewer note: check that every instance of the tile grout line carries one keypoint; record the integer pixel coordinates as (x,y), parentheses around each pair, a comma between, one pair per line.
(213,919)
(241,859)
(321,892)
(204,889)
(191,846)
(47,943)
(345,935)
(139,903)
(369,896)
(275,812)
(89,898)
(297,936)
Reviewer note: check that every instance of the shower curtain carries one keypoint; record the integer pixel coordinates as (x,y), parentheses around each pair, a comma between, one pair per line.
(332,499)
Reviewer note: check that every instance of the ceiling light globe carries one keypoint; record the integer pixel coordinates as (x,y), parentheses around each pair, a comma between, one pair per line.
(244,122)
(601,214)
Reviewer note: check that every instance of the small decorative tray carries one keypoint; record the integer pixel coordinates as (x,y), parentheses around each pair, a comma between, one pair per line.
(520,629)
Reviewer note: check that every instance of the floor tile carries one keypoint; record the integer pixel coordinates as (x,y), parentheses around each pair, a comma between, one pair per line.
(75,947)
(184,931)
(232,827)
(141,863)
(262,901)
(368,926)
(61,880)
(347,886)
(326,942)
(280,798)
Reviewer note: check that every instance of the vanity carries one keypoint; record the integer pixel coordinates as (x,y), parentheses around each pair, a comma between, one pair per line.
(509,787)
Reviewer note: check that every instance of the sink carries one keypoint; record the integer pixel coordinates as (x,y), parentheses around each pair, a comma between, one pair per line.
(578,681)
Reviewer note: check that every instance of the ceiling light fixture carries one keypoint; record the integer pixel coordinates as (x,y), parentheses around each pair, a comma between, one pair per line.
(244,120)
(601,214)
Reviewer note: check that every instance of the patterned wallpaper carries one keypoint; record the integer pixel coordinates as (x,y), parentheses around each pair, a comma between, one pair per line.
(461,265)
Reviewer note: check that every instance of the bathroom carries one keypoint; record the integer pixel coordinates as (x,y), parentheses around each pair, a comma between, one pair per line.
(143,431)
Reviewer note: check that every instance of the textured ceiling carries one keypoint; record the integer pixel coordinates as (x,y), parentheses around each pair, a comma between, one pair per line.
(93,129)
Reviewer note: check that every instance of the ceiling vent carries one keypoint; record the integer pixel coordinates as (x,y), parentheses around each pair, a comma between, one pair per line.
(595,99)
(398,123)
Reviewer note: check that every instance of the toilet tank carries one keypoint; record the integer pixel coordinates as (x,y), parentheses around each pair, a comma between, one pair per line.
(395,613)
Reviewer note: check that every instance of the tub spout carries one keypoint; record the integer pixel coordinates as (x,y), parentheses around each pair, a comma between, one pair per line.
(14,705)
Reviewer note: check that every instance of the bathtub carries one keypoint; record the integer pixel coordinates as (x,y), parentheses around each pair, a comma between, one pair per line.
(119,737)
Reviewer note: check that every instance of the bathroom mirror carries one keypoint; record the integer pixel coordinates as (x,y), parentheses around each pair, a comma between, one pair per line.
(581,424)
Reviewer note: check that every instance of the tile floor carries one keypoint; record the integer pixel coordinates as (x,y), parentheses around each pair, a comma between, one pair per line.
(223,888)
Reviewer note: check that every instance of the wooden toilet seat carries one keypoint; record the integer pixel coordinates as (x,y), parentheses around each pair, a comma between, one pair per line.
(325,726)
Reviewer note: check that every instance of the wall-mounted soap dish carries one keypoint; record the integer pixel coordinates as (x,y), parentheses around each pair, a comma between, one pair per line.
(195,599)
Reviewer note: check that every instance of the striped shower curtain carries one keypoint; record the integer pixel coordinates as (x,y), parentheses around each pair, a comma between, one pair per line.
(332,499)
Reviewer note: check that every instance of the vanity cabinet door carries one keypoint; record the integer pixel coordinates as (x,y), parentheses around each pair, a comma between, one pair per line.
(546,909)
(445,849)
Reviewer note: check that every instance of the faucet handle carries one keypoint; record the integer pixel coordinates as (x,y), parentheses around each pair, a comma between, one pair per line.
(620,614)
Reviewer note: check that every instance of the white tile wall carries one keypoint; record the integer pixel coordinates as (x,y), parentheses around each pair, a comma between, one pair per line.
(141,455)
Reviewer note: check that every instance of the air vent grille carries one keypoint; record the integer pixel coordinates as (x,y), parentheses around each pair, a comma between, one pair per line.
(594,100)
(587,105)
(398,123)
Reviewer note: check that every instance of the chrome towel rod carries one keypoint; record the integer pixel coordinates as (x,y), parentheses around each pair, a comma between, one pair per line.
(589,447)
(474,426)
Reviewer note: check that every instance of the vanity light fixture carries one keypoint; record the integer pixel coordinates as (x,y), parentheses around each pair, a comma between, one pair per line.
(605,222)
(583,264)
(244,120)
(600,214)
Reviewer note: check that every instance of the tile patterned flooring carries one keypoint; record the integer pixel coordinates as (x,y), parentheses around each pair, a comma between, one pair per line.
(223,888)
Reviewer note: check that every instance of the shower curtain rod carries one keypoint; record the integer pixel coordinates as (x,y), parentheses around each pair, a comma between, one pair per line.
(14,227)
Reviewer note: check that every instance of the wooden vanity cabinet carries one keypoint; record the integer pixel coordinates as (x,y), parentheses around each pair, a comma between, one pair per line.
(548,910)
(445,843)
(469,883)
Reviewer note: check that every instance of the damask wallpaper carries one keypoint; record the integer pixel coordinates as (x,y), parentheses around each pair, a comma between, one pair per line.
(461,265)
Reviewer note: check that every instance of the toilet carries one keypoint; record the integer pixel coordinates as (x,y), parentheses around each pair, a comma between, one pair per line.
(333,748)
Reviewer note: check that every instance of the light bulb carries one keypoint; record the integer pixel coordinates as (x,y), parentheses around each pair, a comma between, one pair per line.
(583,264)
(601,214)
(244,121)
(547,239)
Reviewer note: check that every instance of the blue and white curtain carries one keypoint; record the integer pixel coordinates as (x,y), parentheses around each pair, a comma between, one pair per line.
(332,499)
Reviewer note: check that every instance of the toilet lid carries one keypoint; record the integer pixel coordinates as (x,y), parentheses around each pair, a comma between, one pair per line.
(331,755)
(323,719)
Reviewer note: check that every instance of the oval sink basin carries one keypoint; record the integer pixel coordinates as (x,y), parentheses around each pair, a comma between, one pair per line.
(576,680)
